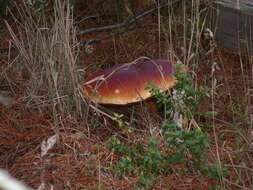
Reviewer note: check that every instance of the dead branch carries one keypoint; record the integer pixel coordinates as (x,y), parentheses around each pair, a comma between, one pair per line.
(96,40)
(128,21)
(86,18)
(128,24)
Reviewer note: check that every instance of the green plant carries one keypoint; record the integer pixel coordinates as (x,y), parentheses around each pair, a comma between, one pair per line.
(181,141)
(146,162)
(118,118)
(183,145)
(184,99)
(214,171)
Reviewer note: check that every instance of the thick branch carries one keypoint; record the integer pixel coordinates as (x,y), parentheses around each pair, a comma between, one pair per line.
(95,40)
(128,21)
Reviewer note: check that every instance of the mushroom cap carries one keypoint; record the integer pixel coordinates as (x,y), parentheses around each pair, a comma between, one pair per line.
(127,83)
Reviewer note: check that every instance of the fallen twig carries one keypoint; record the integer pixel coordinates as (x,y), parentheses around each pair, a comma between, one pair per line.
(237,185)
(85,18)
(95,40)
(128,21)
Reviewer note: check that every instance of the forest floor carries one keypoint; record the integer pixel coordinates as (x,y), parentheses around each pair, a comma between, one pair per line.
(81,157)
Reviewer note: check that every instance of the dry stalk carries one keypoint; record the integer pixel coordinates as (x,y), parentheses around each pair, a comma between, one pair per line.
(49,49)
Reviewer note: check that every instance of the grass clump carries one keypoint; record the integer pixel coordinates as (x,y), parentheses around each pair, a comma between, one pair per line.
(178,142)
(47,60)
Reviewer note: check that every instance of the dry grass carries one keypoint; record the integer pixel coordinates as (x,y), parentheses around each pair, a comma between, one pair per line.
(47,60)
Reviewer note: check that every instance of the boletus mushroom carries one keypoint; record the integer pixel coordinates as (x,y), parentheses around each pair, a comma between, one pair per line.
(127,83)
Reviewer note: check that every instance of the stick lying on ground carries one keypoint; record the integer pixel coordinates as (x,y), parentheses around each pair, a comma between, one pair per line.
(127,24)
